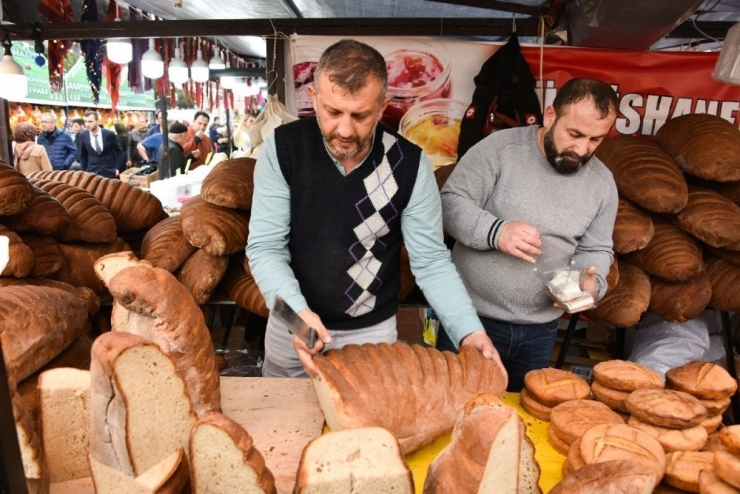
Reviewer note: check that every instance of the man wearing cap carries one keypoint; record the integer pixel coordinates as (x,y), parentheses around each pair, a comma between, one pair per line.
(59,145)
(177,135)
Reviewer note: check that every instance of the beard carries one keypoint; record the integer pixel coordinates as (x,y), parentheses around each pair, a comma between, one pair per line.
(565,163)
(358,146)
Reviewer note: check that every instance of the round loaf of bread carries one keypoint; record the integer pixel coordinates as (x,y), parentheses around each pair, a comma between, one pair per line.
(712,218)
(610,476)
(607,442)
(633,228)
(682,301)
(711,423)
(554,386)
(727,467)
(730,437)
(702,379)
(623,306)
(666,408)
(691,439)
(683,467)
(613,398)
(710,483)
(534,407)
(624,375)
(725,279)
(575,460)
(714,443)
(567,469)
(572,418)
(557,443)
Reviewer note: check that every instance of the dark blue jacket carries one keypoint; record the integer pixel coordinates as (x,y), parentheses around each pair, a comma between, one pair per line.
(59,147)
(106,162)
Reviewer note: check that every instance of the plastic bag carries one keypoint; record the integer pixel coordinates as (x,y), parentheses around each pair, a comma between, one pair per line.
(662,345)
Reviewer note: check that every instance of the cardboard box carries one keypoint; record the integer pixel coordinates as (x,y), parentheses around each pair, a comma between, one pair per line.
(138,180)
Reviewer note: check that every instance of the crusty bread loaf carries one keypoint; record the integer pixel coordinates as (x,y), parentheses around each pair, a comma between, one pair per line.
(552,387)
(607,442)
(84,294)
(36,324)
(712,218)
(218,445)
(633,227)
(666,408)
(612,277)
(151,302)
(165,245)
(715,406)
(533,407)
(732,256)
(217,230)
(90,220)
(15,191)
(420,391)
(230,184)
(20,260)
(169,476)
(486,453)
(43,215)
(64,422)
(201,273)
(626,376)
(571,419)
(132,208)
(613,477)
(688,439)
(701,379)
(671,255)
(367,460)
(730,437)
(624,305)
(680,302)
(725,279)
(714,443)
(703,145)
(644,173)
(613,398)
(139,409)
(727,467)
(48,257)
(557,443)
(242,289)
(78,267)
(710,483)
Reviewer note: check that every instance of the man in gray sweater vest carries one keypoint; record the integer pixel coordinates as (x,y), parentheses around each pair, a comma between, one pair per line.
(521,186)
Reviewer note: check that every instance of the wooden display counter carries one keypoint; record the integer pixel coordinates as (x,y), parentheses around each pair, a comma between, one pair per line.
(283,415)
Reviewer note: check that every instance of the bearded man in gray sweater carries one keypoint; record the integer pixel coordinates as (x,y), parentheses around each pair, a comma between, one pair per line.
(517,188)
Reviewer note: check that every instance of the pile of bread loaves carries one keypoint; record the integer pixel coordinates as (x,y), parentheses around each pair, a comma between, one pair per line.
(660,431)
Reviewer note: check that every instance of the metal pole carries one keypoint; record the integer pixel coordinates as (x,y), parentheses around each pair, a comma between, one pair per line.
(164,171)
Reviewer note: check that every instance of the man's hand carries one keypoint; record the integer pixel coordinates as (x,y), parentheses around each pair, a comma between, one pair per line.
(200,134)
(480,341)
(589,282)
(520,240)
(305,355)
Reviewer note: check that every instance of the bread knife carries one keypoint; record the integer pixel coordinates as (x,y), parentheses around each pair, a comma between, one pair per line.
(296,325)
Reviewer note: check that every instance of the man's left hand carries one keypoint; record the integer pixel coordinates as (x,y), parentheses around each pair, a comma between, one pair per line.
(589,282)
(480,341)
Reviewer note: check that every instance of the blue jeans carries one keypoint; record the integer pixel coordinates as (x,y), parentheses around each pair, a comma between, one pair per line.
(522,347)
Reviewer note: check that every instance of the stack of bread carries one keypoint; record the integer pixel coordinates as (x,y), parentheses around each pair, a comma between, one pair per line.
(724,477)
(614,380)
(571,419)
(678,220)
(548,388)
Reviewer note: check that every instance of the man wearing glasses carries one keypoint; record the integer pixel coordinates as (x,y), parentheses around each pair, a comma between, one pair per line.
(59,145)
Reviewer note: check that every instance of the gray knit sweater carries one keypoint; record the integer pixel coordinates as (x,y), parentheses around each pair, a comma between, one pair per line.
(506,177)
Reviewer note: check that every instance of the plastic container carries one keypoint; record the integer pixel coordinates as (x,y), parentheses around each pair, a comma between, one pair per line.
(434,126)
(555,268)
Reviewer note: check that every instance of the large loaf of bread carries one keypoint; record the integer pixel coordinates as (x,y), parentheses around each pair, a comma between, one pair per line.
(150,302)
(48,257)
(644,173)
(633,228)
(44,215)
(165,245)
(20,256)
(90,220)
(201,273)
(36,324)
(88,298)
(132,208)
(78,266)
(230,184)
(417,393)
(489,452)
(703,145)
(725,279)
(679,302)
(15,190)
(671,255)
(139,410)
(624,305)
(217,230)
(712,218)
(242,289)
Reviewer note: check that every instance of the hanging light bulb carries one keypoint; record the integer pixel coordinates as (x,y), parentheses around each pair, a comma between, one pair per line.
(119,50)
(228,81)
(199,69)
(216,62)
(152,65)
(178,69)
(13,81)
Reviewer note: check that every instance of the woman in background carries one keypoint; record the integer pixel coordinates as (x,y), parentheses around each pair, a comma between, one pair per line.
(29,156)
(122,134)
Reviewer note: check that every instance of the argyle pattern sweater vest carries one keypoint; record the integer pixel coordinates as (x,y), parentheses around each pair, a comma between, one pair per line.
(345,231)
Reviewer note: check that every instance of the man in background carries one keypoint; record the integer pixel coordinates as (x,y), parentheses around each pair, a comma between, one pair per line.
(199,144)
(177,135)
(59,145)
(133,158)
(100,151)
(148,149)
(213,132)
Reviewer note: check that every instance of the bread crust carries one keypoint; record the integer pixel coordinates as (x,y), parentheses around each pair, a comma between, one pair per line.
(666,408)
(230,184)
(554,386)
(571,419)
(217,230)
(165,245)
(689,439)
(702,379)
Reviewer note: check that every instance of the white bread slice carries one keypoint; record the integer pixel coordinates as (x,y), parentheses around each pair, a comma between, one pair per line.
(64,422)
(140,412)
(219,445)
(108,266)
(169,476)
(529,469)
(366,460)
(501,474)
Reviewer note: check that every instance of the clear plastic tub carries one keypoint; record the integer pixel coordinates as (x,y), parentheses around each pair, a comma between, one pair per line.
(555,268)
(434,126)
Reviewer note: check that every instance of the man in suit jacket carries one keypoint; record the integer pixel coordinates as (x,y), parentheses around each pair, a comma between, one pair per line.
(100,151)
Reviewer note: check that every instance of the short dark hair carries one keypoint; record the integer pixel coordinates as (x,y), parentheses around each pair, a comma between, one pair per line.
(91,114)
(216,118)
(349,63)
(575,90)
(201,114)
(78,121)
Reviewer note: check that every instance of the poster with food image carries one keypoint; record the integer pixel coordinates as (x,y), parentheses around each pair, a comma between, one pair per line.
(431,84)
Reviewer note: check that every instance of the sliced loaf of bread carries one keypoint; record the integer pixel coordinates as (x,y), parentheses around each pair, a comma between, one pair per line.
(169,476)
(367,460)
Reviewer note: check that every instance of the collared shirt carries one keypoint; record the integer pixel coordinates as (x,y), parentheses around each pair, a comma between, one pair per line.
(96,141)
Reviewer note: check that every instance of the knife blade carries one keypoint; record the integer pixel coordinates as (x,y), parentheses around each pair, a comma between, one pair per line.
(297,326)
